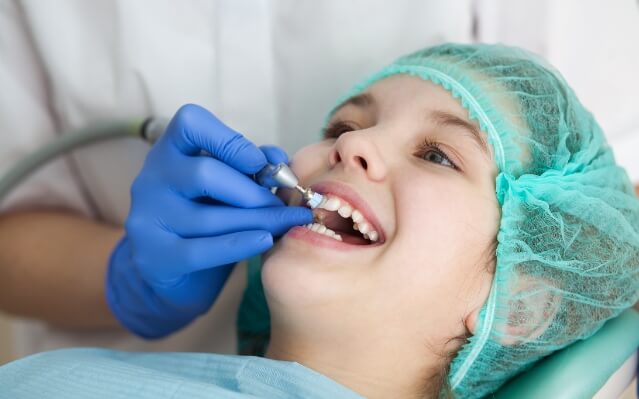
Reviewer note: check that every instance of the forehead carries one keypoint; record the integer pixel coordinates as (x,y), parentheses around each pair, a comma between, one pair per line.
(405,92)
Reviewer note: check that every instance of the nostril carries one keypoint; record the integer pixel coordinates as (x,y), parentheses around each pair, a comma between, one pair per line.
(336,157)
(363,162)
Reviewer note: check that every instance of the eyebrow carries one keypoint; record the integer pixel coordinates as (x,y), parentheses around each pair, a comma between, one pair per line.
(443,118)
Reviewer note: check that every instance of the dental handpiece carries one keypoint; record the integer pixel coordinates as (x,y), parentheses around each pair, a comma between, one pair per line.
(281,175)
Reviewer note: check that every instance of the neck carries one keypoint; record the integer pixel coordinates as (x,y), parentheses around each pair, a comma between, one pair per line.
(375,366)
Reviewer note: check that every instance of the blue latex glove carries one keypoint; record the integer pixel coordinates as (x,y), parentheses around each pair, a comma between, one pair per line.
(192,216)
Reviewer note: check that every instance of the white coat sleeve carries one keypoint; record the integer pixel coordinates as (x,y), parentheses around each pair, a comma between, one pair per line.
(26,121)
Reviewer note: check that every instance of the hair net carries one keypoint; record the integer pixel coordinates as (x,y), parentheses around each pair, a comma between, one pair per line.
(568,242)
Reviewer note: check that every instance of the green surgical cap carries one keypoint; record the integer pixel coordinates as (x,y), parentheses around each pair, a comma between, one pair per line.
(568,241)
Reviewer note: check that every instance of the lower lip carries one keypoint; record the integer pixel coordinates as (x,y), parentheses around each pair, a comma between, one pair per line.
(321,240)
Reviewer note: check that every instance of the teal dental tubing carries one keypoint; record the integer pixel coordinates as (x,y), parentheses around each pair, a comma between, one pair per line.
(149,129)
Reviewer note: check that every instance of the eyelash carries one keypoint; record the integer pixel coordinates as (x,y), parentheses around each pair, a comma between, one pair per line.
(336,129)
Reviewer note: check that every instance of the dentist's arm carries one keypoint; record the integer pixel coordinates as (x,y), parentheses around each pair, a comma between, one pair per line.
(52,267)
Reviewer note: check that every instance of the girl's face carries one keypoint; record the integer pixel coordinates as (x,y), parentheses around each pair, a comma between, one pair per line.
(421,174)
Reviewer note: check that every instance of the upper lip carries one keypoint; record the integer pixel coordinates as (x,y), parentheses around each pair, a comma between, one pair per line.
(347,193)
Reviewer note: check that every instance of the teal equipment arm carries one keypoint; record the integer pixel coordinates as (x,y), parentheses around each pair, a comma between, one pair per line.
(581,369)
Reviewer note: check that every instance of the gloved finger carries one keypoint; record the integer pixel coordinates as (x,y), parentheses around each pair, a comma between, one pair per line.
(198,220)
(207,177)
(194,254)
(194,129)
(274,154)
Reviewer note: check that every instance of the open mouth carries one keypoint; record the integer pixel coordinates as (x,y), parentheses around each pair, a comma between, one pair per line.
(345,219)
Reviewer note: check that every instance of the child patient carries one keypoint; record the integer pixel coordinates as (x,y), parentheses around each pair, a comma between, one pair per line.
(503,230)
(476,222)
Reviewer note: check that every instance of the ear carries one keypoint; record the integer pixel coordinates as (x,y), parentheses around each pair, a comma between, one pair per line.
(471,318)
(474,308)
(470,321)
(530,311)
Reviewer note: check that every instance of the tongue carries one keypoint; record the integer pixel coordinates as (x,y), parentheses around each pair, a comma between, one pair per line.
(342,226)
(353,239)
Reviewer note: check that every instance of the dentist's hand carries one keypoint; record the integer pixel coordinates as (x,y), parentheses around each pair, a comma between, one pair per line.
(192,217)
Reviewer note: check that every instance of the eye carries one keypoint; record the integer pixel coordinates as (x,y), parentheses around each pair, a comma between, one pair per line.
(436,157)
(431,152)
(336,129)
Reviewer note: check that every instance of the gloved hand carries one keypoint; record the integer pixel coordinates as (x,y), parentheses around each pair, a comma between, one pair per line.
(192,216)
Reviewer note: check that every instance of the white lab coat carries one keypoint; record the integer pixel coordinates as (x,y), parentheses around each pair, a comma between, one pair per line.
(268,69)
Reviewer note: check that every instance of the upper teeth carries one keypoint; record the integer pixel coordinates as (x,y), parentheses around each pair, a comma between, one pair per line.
(345,210)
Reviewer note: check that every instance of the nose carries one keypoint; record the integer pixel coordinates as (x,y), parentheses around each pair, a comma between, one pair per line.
(357,153)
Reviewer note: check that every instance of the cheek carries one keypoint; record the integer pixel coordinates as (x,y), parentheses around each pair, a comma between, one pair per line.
(443,231)
(450,213)
(311,161)
(433,215)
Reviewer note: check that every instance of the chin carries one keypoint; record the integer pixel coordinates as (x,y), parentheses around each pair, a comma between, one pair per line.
(291,276)
(284,274)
